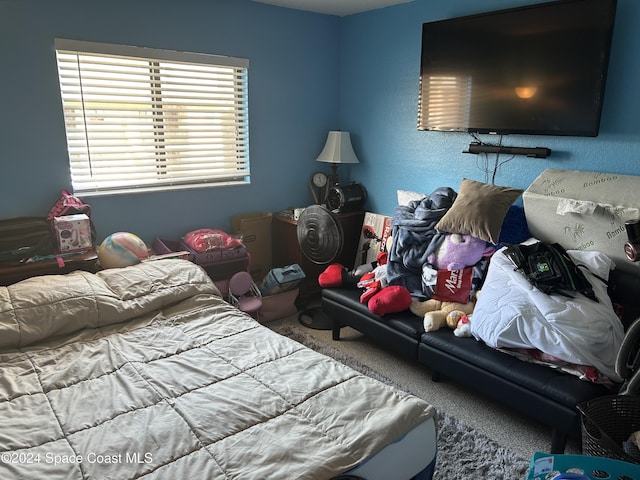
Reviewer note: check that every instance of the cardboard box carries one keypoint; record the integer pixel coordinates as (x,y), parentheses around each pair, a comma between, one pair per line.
(73,232)
(374,237)
(254,229)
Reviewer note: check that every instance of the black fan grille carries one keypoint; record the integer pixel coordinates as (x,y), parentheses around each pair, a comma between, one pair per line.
(320,234)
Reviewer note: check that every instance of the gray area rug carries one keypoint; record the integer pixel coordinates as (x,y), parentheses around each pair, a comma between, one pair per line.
(463,453)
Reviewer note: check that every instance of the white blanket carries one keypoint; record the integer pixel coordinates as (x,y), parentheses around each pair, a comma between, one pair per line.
(146,372)
(512,313)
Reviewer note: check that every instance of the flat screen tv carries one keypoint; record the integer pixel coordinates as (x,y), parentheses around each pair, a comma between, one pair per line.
(537,70)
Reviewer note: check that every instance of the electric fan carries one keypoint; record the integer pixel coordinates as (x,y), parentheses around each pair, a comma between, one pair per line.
(320,237)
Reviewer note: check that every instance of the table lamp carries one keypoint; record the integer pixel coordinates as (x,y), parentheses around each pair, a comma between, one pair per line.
(337,149)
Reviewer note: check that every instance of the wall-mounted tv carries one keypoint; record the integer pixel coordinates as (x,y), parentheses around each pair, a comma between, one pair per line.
(538,70)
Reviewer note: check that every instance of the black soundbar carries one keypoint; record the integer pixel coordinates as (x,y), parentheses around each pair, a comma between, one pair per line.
(537,152)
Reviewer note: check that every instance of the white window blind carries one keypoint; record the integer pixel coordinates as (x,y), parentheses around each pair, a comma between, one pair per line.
(444,103)
(145,119)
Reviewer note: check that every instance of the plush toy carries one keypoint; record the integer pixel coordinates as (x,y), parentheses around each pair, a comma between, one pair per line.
(378,295)
(391,299)
(373,282)
(437,314)
(463,327)
(372,278)
(336,275)
(459,251)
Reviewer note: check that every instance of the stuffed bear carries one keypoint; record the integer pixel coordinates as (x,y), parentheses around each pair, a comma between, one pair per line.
(459,251)
(437,314)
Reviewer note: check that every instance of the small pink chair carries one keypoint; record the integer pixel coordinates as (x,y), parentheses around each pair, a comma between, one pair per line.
(244,294)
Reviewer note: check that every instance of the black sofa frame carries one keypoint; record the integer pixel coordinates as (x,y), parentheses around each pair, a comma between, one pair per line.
(547,395)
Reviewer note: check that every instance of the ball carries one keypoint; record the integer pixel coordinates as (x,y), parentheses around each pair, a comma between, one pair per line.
(122,249)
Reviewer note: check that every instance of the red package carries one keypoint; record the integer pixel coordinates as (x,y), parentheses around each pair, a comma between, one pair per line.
(454,285)
(207,240)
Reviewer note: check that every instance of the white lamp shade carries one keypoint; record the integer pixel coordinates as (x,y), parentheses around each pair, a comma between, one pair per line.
(338,149)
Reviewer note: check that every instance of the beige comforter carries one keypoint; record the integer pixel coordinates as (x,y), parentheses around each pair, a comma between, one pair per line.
(146,372)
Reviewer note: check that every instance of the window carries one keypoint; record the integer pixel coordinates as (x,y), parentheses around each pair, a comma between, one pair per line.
(140,119)
(444,102)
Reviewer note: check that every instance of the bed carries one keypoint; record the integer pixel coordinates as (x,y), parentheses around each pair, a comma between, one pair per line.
(146,372)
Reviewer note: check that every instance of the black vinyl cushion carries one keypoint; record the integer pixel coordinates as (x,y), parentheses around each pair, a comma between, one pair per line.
(400,334)
(562,388)
(409,324)
(541,392)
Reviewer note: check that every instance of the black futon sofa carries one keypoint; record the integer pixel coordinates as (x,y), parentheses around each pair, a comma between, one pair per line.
(543,393)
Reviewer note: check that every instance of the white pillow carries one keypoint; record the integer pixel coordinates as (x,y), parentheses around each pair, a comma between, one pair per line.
(406,196)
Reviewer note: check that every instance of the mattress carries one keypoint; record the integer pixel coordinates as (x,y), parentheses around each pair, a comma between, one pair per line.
(404,458)
(584,211)
(146,372)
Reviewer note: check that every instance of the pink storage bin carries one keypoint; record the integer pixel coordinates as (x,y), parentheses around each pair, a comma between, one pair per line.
(222,268)
(278,306)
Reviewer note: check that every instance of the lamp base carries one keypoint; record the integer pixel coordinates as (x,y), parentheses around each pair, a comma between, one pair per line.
(334,174)
(315,318)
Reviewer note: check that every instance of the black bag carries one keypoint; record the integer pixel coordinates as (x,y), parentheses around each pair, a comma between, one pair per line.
(549,268)
(24,237)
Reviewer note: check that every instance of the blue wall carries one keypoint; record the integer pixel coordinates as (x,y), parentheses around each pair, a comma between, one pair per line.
(293,102)
(309,73)
(379,78)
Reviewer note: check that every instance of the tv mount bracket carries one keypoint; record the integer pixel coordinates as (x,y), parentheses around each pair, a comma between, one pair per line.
(536,152)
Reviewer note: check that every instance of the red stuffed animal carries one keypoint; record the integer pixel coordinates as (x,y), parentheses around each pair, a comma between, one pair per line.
(378,296)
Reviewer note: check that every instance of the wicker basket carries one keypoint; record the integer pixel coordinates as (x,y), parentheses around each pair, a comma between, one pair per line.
(607,423)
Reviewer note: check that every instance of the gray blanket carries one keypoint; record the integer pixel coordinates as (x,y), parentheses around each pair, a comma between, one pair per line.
(415,237)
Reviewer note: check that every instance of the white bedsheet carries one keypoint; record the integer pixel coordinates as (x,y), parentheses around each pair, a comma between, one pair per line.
(512,313)
(146,372)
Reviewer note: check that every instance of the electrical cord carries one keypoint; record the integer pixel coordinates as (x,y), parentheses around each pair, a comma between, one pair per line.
(486,168)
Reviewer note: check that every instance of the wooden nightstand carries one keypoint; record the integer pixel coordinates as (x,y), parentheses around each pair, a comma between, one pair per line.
(285,249)
(81,261)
